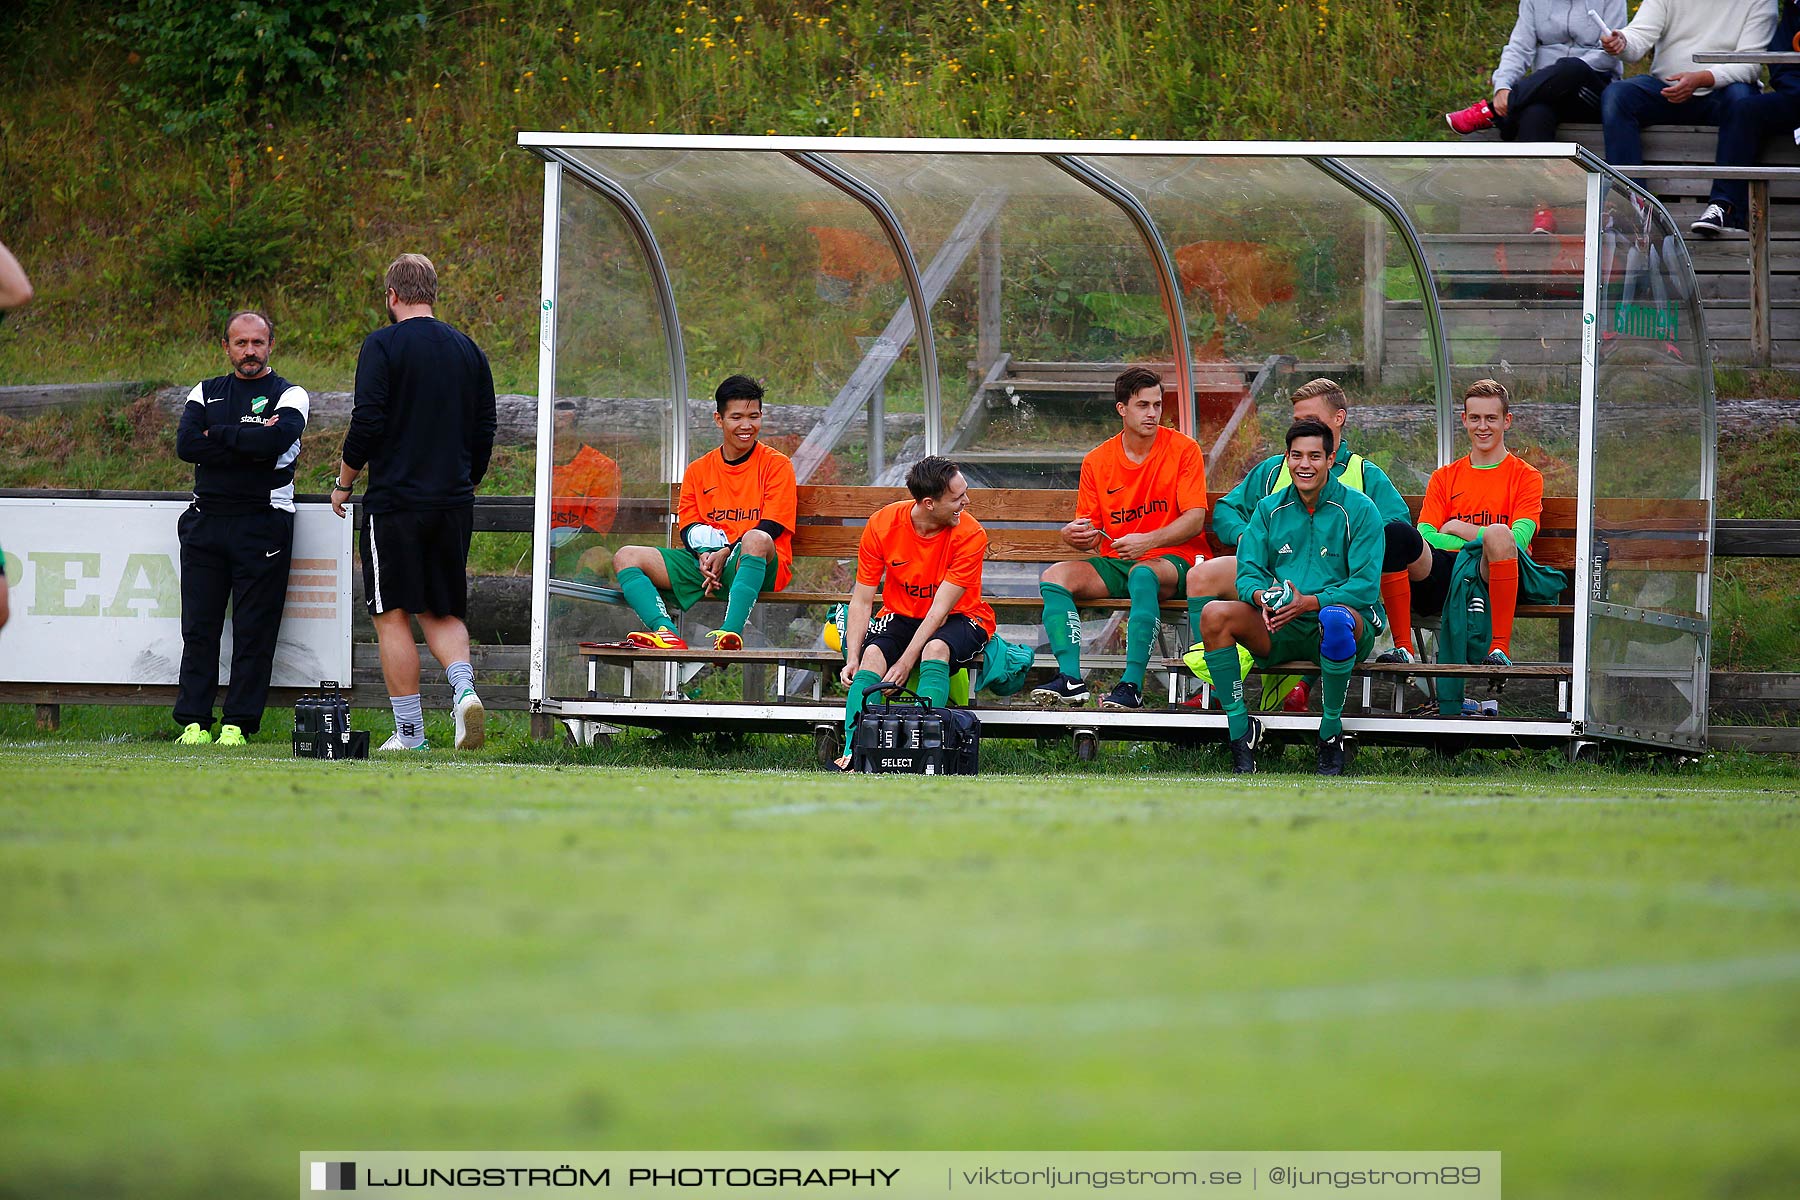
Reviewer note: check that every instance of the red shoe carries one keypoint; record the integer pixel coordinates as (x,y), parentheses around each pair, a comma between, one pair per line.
(1297,700)
(655,639)
(724,639)
(1473,119)
(1543,220)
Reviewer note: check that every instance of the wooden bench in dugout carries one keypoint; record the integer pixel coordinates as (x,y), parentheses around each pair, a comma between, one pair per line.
(1022,524)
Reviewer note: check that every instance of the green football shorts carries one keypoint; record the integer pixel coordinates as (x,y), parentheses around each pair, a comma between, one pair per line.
(687,587)
(1298,641)
(1113,571)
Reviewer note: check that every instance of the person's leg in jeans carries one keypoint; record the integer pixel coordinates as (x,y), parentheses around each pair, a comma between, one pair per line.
(1629,105)
(1744,118)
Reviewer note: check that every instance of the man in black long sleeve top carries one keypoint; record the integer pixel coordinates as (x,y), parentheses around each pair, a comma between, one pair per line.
(242,433)
(423,425)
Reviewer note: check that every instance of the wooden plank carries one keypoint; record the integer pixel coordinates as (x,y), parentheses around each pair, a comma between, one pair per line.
(29,400)
(1755,687)
(1374,297)
(1756,539)
(1778,739)
(987,300)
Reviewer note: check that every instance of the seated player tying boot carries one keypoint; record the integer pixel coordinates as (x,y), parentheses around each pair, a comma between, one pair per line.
(1308,587)
(1324,401)
(1479,516)
(735,528)
(1141,513)
(925,556)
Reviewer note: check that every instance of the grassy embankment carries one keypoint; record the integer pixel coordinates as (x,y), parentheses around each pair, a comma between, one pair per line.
(96,196)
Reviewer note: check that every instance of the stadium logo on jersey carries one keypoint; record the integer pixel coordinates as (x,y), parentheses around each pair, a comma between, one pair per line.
(734,514)
(922,591)
(1122,516)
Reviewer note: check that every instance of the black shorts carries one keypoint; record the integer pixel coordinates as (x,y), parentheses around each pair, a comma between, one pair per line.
(1429,593)
(893,633)
(418,561)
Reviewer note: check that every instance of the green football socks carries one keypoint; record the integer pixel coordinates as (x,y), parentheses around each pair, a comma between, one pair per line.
(644,599)
(1063,624)
(860,683)
(934,681)
(1336,679)
(1228,682)
(752,569)
(1197,605)
(1140,627)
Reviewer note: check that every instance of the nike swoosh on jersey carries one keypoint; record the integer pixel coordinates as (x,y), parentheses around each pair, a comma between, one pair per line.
(1120,488)
(899,562)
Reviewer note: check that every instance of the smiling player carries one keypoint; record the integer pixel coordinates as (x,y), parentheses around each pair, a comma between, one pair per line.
(1308,586)
(736,530)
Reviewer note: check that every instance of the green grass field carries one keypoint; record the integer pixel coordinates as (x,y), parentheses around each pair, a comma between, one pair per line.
(211,963)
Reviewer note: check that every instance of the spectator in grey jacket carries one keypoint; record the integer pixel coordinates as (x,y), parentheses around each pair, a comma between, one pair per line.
(1552,70)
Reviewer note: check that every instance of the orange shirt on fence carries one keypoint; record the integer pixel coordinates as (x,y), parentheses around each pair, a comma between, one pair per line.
(735,496)
(908,568)
(1121,497)
(1510,490)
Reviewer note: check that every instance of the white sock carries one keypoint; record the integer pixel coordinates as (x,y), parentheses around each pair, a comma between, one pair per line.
(409,719)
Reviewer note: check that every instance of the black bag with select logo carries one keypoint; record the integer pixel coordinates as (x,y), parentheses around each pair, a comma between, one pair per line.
(914,737)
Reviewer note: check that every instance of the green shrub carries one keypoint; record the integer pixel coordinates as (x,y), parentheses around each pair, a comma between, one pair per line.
(226,244)
(226,63)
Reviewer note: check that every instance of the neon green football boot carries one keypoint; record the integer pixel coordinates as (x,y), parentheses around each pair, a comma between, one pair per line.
(195,734)
(231,735)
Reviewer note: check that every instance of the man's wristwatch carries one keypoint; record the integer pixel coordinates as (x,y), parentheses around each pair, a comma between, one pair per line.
(346,488)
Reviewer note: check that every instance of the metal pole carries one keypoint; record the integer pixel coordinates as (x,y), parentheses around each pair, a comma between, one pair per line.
(1434,313)
(546,436)
(1585,573)
(1168,282)
(889,221)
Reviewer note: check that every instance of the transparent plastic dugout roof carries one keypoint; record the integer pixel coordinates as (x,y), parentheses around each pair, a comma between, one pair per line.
(905,297)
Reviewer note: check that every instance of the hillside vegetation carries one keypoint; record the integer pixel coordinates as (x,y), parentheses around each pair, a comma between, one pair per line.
(147,205)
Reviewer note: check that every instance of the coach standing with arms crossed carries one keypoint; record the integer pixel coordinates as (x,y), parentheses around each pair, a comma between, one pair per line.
(242,433)
(423,425)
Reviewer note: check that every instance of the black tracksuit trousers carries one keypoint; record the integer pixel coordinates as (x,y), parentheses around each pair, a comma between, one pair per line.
(242,560)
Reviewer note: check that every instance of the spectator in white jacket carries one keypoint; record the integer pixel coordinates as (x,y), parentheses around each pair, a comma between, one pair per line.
(1679,90)
(1552,70)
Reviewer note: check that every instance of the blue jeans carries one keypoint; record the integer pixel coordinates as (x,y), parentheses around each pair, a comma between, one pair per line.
(1629,105)
(1741,134)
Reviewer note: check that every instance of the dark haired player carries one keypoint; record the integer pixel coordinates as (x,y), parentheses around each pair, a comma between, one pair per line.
(735,528)
(1309,588)
(1140,514)
(925,555)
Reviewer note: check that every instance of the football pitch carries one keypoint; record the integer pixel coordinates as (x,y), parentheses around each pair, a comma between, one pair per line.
(211,963)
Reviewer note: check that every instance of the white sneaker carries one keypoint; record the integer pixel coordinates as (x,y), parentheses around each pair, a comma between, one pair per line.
(396,742)
(471,721)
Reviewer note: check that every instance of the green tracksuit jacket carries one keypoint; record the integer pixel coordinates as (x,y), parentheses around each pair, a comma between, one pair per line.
(1333,552)
(1231,515)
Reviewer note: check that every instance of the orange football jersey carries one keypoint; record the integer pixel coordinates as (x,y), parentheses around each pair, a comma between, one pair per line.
(735,496)
(1121,497)
(1510,490)
(908,568)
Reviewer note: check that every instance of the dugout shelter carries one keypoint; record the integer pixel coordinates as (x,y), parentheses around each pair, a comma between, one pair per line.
(904,297)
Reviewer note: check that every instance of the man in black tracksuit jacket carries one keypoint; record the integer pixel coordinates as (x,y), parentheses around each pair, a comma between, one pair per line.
(242,433)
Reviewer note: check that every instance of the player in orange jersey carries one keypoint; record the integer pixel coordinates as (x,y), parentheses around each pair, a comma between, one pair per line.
(735,528)
(925,555)
(1489,496)
(1141,515)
